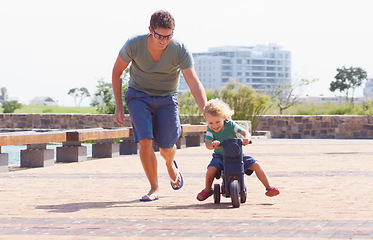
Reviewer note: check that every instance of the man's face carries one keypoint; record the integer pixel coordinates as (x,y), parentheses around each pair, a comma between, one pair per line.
(162,36)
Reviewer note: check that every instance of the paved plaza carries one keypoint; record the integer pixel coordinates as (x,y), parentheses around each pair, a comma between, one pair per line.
(326,193)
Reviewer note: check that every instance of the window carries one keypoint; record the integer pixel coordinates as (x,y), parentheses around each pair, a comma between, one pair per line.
(226,67)
(258,68)
(258,74)
(258,61)
(226,74)
(226,61)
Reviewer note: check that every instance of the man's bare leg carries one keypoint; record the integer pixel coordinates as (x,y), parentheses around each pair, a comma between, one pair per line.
(169,155)
(149,163)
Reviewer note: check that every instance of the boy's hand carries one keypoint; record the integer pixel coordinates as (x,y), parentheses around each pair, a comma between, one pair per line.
(215,144)
(245,141)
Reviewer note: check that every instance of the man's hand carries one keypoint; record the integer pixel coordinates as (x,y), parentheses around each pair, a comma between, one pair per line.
(119,115)
(116,81)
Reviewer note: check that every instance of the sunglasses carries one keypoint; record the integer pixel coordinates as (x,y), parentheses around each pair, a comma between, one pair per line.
(161,37)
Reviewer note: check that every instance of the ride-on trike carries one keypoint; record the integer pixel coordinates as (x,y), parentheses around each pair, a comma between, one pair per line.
(233,184)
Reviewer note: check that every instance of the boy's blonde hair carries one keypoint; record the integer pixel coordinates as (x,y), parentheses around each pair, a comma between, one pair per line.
(217,107)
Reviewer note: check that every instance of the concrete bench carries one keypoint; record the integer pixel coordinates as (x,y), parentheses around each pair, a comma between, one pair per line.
(73,151)
(192,135)
(36,154)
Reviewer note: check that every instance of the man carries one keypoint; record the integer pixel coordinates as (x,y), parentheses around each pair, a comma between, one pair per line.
(156,61)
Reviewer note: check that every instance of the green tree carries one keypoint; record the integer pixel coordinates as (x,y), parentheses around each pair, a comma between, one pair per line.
(79,93)
(288,95)
(367,108)
(348,79)
(187,104)
(246,102)
(11,106)
(104,97)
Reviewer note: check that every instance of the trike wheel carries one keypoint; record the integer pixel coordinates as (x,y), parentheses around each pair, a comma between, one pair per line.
(235,196)
(216,193)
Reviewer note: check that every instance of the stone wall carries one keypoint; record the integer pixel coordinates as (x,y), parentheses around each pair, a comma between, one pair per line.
(70,121)
(57,121)
(324,127)
(332,127)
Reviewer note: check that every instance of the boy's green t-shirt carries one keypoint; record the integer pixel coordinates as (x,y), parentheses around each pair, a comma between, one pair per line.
(230,131)
(155,78)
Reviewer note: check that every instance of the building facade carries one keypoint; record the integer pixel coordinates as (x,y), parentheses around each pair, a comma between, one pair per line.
(368,89)
(263,67)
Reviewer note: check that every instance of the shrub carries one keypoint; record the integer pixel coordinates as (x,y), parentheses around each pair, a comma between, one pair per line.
(244,100)
(11,106)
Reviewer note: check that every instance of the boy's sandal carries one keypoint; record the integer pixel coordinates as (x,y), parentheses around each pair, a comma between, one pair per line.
(272,191)
(203,195)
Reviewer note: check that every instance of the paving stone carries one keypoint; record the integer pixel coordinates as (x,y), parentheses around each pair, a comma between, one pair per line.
(323,184)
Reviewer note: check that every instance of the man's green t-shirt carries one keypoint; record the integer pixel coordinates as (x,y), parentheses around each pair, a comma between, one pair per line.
(155,78)
(230,131)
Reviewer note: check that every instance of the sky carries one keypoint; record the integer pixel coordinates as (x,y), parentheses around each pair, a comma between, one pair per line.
(48,47)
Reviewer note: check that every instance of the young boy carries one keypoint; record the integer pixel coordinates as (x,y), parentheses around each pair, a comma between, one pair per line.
(220,127)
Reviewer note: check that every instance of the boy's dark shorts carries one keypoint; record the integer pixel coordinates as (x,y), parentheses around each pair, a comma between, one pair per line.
(217,162)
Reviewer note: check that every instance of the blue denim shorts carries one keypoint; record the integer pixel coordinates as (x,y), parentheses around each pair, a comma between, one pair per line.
(154,117)
(217,162)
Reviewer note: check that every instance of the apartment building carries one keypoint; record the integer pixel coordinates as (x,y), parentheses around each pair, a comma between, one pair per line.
(263,67)
(368,89)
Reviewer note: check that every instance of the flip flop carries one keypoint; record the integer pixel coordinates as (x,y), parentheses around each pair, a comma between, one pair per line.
(149,197)
(203,195)
(177,177)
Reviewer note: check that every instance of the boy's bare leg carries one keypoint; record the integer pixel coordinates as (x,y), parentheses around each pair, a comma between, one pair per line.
(210,176)
(149,163)
(260,174)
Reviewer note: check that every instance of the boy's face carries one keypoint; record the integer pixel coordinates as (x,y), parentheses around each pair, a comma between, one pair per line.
(215,123)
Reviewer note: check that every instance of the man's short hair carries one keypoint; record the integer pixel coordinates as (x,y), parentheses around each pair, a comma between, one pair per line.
(162,19)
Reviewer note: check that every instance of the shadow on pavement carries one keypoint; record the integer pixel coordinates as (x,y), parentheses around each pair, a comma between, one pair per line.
(75,207)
